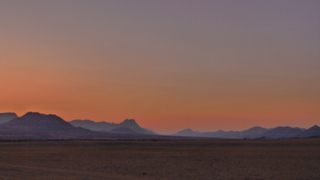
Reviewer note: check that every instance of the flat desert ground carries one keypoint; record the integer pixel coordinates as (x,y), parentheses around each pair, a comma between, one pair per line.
(193,159)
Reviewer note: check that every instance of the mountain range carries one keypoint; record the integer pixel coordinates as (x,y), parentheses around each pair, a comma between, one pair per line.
(255,132)
(40,126)
(34,125)
(5,117)
(127,126)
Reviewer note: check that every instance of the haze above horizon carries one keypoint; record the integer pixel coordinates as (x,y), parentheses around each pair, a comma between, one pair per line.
(205,65)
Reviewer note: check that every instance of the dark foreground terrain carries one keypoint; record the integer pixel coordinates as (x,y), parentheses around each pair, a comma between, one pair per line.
(215,159)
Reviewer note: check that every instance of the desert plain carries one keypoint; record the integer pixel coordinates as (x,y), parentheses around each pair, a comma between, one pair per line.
(161,159)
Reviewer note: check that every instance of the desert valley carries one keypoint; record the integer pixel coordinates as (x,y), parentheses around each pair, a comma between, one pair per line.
(39,146)
(37,126)
(159,90)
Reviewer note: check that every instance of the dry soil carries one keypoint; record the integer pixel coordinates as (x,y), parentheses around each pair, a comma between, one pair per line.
(210,159)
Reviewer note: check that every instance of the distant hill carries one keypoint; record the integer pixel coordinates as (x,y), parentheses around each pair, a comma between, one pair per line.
(215,134)
(109,127)
(131,124)
(36,125)
(255,132)
(311,132)
(37,121)
(5,117)
(95,126)
(282,132)
(187,132)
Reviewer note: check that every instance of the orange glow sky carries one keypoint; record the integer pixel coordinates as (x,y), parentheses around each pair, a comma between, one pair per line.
(205,65)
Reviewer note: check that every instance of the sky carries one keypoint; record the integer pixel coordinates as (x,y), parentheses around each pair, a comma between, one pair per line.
(171,65)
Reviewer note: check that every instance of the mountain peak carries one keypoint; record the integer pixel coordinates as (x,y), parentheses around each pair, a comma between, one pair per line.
(42,121)
(8,113)
(112,127)
(188,130)
(39,114)
(8,116)
(315,127)
(256,128)
(129,122)
(313,131)
(32,114)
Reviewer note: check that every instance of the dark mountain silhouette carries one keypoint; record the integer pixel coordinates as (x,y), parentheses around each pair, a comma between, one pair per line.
(108,127)
(282,132)
(255,132)
(95,126)
(217,134)
(187,132)
(41,122)
(5,117)
(131,124)
(311,132)
(36,125)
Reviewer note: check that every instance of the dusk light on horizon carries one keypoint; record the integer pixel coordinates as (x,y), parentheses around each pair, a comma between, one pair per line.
(170,65)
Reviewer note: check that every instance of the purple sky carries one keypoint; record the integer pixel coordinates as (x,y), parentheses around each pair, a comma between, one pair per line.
(169,64)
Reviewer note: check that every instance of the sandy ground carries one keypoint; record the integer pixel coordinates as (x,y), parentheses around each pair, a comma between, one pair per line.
(216,159)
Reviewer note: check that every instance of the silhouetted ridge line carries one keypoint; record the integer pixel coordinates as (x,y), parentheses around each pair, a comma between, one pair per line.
(311,132)
(110,127)
(34,125)
(256,132)
(5,117)
(36,120)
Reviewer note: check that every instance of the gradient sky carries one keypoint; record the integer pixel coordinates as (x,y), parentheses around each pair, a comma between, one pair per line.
(170,65)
